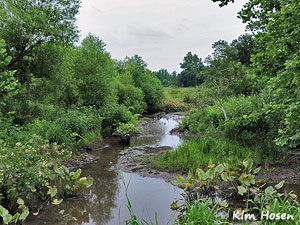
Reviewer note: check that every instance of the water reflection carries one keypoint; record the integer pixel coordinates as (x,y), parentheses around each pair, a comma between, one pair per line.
(105,202)
(157,132)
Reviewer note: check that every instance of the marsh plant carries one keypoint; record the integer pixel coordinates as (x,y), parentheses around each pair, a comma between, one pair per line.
(34,171)
(219,186)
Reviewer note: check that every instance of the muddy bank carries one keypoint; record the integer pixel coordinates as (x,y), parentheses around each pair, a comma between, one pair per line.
(138,160)
(287,171)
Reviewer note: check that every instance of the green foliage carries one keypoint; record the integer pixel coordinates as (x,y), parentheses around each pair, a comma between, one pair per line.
(275,202)
(129,95)
(191,66)
(24,25)
(166,78)
(198,152)
(125,131)
(31,171)
(74,127)
(201,211)
(94,67)
(114,115)
(8,83)
(153,90)
(231,181)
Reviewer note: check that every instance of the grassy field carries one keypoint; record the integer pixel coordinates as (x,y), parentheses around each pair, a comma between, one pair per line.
(179,99)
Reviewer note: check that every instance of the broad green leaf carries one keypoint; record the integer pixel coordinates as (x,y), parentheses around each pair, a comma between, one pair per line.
(3,211)
(242,190)
(20,201)
(269,190)
(257,170)
(24,215)
(219,168)
(279,185)
(52,191)
(90,182)
(77,174)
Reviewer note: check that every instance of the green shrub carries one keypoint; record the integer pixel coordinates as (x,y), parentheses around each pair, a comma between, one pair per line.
(31,171)
(114,115)
(153,91)
(201,120)
(126,131)
(74,127)
(132,97)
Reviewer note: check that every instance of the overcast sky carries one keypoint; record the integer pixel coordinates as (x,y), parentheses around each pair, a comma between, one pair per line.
(161,31)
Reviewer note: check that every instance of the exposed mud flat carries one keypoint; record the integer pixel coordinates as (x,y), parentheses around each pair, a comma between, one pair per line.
(287,171)
(153,140)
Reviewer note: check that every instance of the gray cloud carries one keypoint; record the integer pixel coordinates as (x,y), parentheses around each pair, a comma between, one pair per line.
(162,32)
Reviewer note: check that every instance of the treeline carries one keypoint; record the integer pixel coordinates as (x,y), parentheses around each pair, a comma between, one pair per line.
(193,67)
(57,96)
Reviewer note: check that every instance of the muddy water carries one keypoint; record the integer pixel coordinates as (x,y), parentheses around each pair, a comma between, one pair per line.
(105,202)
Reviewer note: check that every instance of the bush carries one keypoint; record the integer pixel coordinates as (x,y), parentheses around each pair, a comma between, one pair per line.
(201,120)
(132,97)
(31,171)
(114,115)
(126,131)
(74,127)
(153,91)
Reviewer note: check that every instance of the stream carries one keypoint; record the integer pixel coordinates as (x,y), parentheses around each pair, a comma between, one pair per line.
(105,202)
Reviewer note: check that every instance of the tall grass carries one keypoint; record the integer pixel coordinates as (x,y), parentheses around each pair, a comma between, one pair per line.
(197,153)
(178,99)
(201,212)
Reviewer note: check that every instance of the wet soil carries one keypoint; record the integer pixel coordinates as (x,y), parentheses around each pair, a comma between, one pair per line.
(287,170)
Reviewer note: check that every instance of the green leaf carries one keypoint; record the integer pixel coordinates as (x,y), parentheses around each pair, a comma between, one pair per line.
(52,191)
(90,182)
(77,174)
(269,190)
(279,185)
(224,176)
(242,190)
(3,211)
(24,215)
(257,170)
(248,164)
(57,202)
(20,201)
(62,212)
(219,168)
(7,219)
(269,170)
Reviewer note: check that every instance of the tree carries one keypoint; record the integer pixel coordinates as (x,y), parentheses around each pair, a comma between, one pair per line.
(223,2)
(95,69)
(166,78)
(191,67)
(245,47)
(8,84)
(26,24)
